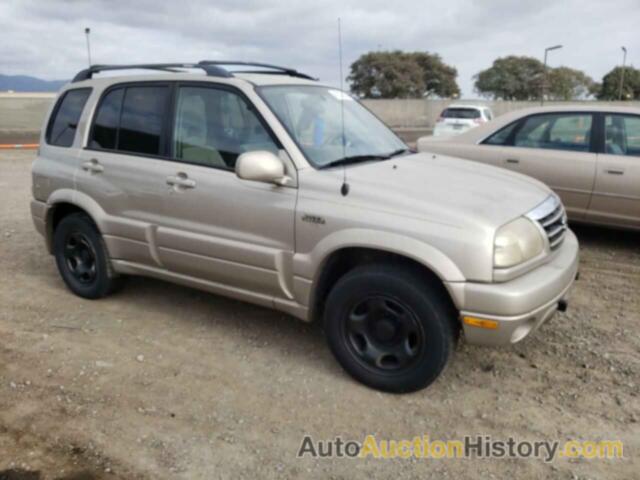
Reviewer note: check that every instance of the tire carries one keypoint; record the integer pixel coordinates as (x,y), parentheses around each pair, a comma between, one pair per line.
(390,327)
(82,258)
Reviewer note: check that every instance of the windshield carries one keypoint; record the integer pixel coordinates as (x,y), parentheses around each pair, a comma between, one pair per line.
(312,115)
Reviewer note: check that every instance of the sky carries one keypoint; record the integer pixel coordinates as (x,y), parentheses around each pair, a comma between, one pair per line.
(45,38)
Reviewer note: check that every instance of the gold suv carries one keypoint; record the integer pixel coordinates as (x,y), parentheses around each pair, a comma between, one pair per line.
(263,185)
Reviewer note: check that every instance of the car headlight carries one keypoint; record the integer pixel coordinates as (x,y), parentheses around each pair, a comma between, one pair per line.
(516,242)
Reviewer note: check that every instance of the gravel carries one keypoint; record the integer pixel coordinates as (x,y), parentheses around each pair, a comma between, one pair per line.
(160,381)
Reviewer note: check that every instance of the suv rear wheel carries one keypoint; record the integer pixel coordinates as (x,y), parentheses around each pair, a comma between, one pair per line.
(81,257)
(389,328)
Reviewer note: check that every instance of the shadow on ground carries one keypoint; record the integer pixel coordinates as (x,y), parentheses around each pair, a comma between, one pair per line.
(607,237)
(19,474)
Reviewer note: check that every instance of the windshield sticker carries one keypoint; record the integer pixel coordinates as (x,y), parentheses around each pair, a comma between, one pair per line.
(341,95)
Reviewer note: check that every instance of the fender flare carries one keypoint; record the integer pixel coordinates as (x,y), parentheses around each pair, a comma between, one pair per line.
(77,199)
(308,267)
(419,251)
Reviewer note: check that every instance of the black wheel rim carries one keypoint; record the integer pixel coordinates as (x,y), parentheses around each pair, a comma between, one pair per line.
(80,257)
(384,334)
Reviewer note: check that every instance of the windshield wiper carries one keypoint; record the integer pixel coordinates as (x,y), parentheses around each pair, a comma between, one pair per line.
(400,151)
(354,159)
(365,158)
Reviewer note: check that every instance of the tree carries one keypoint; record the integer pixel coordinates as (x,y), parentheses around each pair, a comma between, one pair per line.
(520,78)
(611,84)
(564,83)
(595,89)
(386,75)
(397,74)
(511,78)
(439,78)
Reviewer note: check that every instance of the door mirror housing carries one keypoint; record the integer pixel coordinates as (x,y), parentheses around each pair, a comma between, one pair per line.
(262,166)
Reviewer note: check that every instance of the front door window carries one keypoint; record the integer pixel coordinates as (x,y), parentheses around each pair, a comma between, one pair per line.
(214,126)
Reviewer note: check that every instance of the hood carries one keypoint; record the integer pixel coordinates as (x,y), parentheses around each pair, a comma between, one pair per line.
(444,189)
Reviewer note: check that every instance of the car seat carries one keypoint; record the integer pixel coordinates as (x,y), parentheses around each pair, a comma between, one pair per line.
(614,140)
(191,134)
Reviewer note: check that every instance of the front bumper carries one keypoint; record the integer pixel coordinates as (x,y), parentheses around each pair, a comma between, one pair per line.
(518,307)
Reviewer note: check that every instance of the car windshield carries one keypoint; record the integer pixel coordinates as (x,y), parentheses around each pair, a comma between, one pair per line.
(313,117)
(461,113)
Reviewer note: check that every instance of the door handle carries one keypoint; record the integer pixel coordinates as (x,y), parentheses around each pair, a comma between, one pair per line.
(181,181)
(615,172)
(512,160)
(92,166)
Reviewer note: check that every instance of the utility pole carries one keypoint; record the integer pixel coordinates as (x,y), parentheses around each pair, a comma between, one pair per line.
(87,31)
(544,72)
(624,62)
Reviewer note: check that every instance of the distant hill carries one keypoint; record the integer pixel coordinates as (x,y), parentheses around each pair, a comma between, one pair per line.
(24,83)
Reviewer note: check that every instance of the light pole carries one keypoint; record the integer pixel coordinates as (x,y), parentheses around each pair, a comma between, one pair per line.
(87,31)
(544,71)
(624,61)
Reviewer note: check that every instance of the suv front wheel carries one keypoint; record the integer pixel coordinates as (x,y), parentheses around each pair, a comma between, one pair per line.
(81,257)
(389,327)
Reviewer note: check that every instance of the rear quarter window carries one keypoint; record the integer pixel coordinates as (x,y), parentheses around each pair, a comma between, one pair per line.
(64,120)
(502,136)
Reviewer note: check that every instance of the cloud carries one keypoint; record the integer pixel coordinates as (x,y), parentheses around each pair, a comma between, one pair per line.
(46,39)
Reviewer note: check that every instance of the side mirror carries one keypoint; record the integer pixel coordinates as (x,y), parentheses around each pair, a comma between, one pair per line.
(261,166)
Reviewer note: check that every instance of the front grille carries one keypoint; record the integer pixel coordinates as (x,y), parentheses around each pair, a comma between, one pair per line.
(552,218)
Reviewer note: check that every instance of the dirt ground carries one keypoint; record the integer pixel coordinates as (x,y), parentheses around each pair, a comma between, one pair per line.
(19,136)
(160,381)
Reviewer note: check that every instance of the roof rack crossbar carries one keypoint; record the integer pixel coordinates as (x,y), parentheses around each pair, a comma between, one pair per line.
(211,70)
(286,70)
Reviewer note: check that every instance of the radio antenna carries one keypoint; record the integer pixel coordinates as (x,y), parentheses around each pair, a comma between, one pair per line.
(345,186)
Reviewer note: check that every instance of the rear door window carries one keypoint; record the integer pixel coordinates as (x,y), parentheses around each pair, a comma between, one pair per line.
(105,127)
(132,119)
(142,119)
(622,135)
(64,122)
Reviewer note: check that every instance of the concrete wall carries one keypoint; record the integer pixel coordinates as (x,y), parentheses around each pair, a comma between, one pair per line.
(422,114)
(23,111)
(22,114)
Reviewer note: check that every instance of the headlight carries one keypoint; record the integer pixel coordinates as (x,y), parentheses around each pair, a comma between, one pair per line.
(516,242)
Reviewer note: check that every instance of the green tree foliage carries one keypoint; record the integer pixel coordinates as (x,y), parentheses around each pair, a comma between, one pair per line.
(595,89)
(398,74)
(564,83)
(611,84)
(511,78)
(439,78)
(520,78)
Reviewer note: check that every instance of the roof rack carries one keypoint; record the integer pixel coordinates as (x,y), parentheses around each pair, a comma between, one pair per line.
(276,69)
(213,68)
